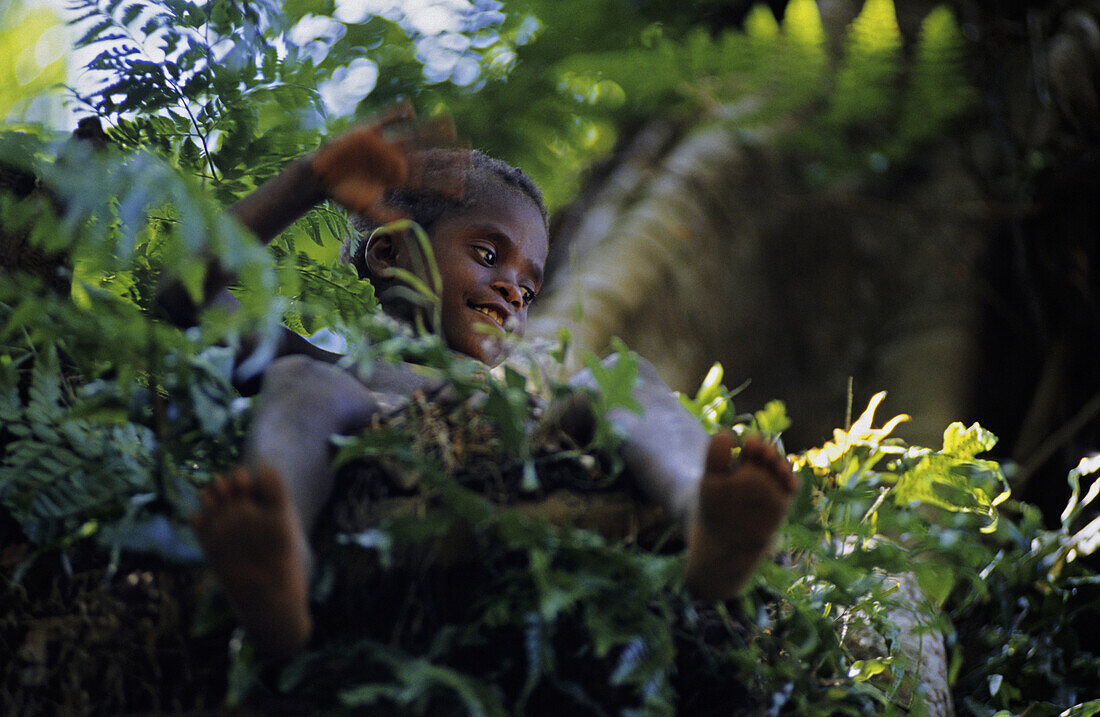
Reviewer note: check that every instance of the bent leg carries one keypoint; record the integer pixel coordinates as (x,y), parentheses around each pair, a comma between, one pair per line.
(256,519)
(302,404)
(664,446)
(729,509)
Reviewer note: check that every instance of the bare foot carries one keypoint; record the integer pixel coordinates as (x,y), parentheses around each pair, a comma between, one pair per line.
(742,503)
(253,541)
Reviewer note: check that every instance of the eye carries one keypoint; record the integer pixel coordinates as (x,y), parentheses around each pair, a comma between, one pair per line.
(487,255)
(528,296)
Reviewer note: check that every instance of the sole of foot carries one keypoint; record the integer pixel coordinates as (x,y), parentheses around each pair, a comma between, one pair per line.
(254,542)
(742,503)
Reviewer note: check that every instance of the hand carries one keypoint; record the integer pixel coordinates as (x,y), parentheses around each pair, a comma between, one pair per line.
(358,167)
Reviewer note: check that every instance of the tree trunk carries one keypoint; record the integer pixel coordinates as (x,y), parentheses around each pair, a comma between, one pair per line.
(715,249)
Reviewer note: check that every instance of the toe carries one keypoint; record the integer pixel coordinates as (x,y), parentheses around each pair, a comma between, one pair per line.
(780,467)
(755,449)
(720,452)
(268,486)
(200,519)
(209,501)
(216,493)
(790,480)
(240,482)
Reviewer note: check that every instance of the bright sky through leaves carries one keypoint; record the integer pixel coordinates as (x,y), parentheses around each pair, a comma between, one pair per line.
(445,33)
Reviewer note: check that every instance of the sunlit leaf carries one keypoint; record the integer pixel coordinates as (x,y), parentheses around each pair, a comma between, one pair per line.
(773,418)
(1086,467)
(1085,709)
(937,92)
(805,34)
(861,433)
(963,442)
(760,23)
(867,80)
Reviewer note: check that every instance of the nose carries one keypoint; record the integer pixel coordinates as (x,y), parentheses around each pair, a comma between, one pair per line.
(510,292)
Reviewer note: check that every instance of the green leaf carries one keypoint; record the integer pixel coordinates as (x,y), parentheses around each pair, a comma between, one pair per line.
(244,671)
(863,670)
(1085,467)
(962,442)
(936,581)
(416,679)
(616,382)
(868,74)
(11,409)
(939,480)
(938,91)
(760,23)
(1085,709)
(772,418)
(711,387)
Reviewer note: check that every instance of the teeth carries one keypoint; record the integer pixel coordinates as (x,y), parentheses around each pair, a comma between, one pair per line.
(492,314)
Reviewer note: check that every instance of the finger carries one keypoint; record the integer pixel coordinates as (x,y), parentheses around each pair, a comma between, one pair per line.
(361,151)
(382,214)
(756,449)
(268,487)
(368,152)
(400,111)
(209,503)
(720,451)
(358,195)
(216,492)
(438,131)
(793,482)
(239,483)
(442,172)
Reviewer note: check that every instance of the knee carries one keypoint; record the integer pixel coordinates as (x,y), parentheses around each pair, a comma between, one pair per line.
(299,375)
(309,390)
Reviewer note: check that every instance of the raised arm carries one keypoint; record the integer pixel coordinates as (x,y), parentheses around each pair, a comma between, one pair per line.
(267,211)
(355,169)
(277,203)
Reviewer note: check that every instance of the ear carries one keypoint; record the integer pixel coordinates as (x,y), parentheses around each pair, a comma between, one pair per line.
(383,251)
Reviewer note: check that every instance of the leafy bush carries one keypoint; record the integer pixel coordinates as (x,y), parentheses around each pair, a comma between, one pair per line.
(112,421)
(454,605)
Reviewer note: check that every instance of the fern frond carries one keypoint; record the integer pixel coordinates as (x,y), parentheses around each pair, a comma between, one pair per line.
(867,79)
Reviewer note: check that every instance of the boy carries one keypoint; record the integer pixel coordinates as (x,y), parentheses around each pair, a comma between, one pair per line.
(488,231)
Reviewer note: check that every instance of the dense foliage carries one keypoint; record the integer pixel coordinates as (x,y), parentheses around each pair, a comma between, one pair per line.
(112,420)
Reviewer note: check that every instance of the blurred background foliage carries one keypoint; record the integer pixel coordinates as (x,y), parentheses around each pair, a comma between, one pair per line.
(31,62)
(549,86)
(204,100)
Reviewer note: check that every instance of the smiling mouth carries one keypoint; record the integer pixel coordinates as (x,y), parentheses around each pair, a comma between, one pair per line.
(492,313)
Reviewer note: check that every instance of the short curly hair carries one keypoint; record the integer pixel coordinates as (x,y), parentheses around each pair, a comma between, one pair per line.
(448,181)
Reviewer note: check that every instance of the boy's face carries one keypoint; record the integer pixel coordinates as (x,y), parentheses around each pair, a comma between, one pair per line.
(491,257)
